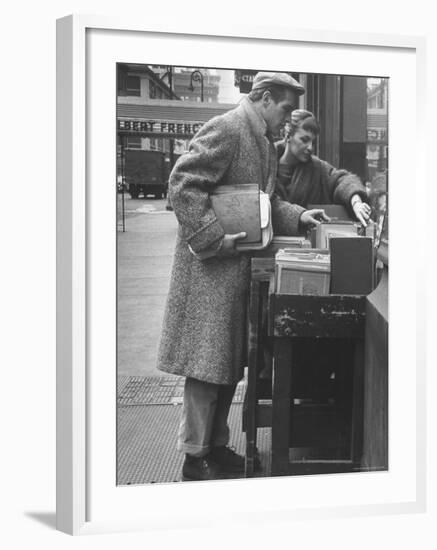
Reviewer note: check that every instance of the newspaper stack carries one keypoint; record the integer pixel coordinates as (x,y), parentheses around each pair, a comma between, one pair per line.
(280,241)
(299,272)
(321,234)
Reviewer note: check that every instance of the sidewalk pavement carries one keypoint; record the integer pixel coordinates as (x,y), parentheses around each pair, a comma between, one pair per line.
(148,413)
(144,260)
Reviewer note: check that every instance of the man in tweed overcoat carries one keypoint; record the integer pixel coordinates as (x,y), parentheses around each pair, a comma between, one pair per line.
(204,328)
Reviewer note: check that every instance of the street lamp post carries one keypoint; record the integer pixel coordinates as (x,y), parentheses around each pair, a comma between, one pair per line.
(197,76)
(123,180)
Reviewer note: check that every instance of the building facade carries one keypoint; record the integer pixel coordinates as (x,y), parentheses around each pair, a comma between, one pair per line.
(160,108)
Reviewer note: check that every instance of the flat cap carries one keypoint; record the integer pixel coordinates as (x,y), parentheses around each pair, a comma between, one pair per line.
(264,80)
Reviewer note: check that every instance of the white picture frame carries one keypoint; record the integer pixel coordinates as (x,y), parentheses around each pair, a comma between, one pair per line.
(79,37)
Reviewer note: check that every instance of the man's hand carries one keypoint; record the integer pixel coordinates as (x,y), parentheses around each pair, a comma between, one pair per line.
(362,211)
(227,249)
(314,217)
(287,155)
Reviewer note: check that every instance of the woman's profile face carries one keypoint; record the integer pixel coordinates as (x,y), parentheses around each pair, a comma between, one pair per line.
(301,144)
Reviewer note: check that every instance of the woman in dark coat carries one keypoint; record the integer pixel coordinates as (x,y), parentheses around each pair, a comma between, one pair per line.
(305,179)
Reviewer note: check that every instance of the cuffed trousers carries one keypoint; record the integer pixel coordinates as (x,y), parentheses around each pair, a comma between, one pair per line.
(204,422)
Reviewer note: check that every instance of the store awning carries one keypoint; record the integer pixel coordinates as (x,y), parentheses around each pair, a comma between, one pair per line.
(175,119)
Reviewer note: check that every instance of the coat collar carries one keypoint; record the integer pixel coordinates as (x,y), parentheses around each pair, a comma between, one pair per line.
(264,143)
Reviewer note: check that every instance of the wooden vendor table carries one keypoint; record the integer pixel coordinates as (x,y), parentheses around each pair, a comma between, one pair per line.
(262,270)
(294,317)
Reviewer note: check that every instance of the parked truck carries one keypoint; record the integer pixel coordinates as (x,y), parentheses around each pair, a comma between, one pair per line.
(145,173)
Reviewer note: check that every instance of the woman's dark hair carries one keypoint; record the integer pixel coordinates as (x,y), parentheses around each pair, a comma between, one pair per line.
(300,118)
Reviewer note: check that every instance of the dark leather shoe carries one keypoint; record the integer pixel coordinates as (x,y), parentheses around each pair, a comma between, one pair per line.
(199,468)
(228,460)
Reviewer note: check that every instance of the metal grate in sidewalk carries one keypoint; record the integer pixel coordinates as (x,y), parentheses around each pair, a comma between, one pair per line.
(150,390)
(157,390)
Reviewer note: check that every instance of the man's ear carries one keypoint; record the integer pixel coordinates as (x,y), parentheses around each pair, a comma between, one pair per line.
(267,98)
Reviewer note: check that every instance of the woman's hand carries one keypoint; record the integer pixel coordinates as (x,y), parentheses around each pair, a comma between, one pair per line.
(361,209)
(287,156)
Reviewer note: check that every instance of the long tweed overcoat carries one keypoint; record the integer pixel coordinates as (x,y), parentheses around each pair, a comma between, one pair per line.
(204,328)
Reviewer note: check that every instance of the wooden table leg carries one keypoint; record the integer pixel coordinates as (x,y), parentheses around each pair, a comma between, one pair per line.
(253,346)
(281,400)
(358,405)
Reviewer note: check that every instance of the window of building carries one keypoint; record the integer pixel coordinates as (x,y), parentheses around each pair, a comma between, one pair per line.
(129,85)
(155,92)
(377,142)
(133,142)
(133,85)
(380,101)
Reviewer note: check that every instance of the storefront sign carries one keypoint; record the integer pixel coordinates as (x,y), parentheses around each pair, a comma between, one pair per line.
(159,127)
(244,80)
(377,134)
